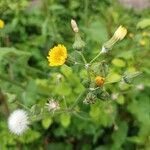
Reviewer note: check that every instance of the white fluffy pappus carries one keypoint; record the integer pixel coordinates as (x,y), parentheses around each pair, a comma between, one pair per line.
(18,122)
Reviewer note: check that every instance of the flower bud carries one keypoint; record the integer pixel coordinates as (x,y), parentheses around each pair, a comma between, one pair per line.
(90,98)
(78,44)
(103,95)
(74,26)
(99,81)
(86,83)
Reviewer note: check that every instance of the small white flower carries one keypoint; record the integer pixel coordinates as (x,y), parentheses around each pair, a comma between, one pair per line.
(52,105)
(18,122)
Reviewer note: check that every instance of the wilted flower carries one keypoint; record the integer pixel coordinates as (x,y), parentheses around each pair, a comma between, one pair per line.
(1,24)
(120,33)
(99,80)
(52,105)
(57,55)
(74,26)
(18,122)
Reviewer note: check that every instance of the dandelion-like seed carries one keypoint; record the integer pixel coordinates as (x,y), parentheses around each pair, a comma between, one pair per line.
(18,122)
(57,55)
(2,24)
(52,105)
(120,33)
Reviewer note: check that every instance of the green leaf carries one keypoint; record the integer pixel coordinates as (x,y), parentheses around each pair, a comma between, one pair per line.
(113,77)
(29,136)
(46,122)
(63,88)
(120,100)
(65,120)
(144,23)
(119,136)
(118,62)
(67,71)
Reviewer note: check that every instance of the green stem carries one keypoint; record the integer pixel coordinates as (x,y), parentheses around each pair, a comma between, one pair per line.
(82,56)
(22,105)
(65,103)
(80,97)
(81,117)
(95,58)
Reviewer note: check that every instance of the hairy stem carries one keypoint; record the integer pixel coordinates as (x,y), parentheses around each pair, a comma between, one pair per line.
(95,58)
(79,98)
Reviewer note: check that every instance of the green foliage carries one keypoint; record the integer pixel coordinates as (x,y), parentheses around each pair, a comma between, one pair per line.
(120,122)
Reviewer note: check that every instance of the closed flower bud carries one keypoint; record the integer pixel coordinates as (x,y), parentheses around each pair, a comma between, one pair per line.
(86,83)
(103,95)
(99,81)
(74,26)
(78,44)
(90,98)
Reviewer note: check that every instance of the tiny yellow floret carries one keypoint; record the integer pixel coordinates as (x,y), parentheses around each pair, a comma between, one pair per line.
(2,24)
(57,55)
(120,33)
(99,81)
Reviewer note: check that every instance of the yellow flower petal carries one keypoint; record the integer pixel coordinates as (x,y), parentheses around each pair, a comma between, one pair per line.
(1,24)
(57,55)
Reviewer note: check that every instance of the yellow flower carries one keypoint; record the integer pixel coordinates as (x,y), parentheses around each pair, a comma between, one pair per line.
(1,24)
(57,55)
(120,33)
(99,80)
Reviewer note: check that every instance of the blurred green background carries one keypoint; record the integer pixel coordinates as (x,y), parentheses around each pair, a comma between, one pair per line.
(32,27)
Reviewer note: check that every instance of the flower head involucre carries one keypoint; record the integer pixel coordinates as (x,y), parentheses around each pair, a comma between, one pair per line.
(18,122)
